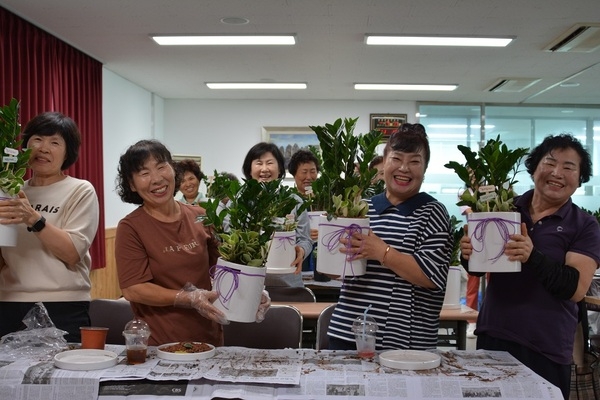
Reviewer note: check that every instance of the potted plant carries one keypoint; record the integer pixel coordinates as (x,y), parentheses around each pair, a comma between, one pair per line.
(239,273)
(339,192)
(489,176)
(14,160)
(282,250)
(14,163)
(452,296)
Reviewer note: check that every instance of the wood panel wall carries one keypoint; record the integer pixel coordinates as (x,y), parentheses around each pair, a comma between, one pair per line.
(105,283)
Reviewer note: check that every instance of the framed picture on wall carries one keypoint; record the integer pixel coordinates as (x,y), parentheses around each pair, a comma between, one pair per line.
(290,139)
(387,123)
(180,157)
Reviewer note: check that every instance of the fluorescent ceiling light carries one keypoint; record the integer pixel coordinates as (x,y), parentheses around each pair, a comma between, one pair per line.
(446,135)
(256,85)
(436,41)
(381,86)
(225,40)
(459,126)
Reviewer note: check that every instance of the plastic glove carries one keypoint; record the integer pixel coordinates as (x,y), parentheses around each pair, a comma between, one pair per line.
(202,301)
(263,307)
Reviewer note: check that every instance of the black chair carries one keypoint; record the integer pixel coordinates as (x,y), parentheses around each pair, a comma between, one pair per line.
(112,314)
(291,294)
(322,325)
(282,328)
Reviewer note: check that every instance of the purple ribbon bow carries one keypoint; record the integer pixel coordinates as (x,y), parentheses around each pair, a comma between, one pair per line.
(281,241)
(332,239)
(219,273)
(501,224)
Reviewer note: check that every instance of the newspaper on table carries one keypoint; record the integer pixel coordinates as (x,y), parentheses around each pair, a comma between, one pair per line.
(236,372)
(40,379)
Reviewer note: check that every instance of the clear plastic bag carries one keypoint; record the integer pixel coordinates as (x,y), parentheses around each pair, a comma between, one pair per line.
(40,338)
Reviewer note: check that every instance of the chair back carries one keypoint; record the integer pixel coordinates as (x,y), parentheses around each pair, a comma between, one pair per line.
(291,294)
(322,342)
(281,328)
(113,314)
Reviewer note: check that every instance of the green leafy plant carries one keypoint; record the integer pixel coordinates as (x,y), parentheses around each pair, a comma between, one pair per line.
(351,204)
(593,213)
(489,176)
(285,224)
(221,187)
(457,233)
(14,160)
(253,208)
(345,174)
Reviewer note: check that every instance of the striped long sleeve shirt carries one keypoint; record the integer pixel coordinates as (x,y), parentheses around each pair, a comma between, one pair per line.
(407,315)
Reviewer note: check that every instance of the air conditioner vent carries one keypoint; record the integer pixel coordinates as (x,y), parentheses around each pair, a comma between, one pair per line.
(512,85)
(581,38)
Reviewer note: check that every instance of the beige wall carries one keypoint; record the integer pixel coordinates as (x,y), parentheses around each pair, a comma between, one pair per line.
(105,283)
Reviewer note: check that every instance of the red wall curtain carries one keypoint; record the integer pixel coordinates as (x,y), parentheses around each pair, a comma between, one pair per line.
(46,74)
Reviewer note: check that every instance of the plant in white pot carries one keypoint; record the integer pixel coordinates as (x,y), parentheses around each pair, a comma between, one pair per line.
(240,270)
(14,163)
(282,250)
(489,176)
(452,296)
(339,192)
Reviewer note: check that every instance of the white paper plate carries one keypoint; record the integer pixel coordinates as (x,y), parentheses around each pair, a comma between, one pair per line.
(85,359)
(166,355)
(409,359)
(280,271)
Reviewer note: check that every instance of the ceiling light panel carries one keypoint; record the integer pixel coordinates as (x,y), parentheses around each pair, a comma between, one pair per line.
(226,40)
(384,40)
(382,86)
(256,85)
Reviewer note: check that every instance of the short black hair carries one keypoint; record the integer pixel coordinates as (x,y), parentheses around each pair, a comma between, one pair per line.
(302,157)
(50,123)
(133,161)
(409,138)
(183,166)
(376,160)
(562,141)
(257,152)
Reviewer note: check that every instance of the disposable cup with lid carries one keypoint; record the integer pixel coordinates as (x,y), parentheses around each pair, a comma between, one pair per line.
(136,333)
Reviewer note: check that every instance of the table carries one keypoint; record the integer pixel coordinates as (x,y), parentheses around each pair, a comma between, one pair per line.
(324,291)
(304,374)
(455,319)
(592,300)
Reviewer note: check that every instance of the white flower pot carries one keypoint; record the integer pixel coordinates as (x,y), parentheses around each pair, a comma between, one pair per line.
(8,233)
(282,252)
(489,233)
(452,297)
(329,259)
(240,290)
(314,217)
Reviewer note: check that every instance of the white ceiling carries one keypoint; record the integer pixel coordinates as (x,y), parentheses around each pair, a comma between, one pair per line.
(330,54)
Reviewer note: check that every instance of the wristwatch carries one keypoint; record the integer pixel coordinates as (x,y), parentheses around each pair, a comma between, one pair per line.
(38,226)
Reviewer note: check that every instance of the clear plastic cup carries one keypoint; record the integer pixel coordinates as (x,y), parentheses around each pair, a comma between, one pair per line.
(137,333)
(365,328)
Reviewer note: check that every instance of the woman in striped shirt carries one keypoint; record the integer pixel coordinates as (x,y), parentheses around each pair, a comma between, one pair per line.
(407,251)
